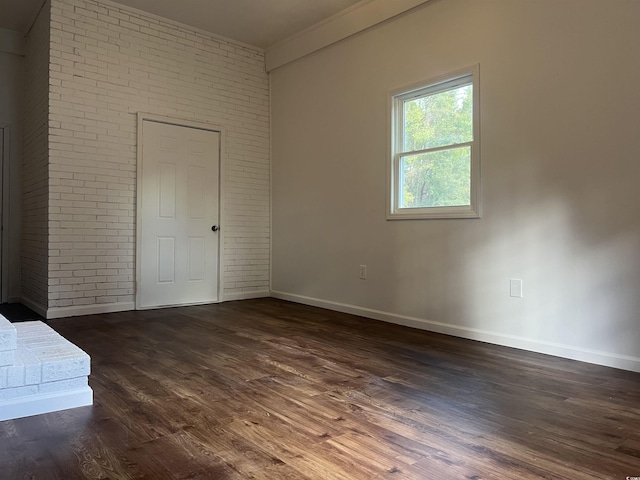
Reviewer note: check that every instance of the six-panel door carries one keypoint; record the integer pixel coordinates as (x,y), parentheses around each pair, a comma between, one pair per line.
(179,188)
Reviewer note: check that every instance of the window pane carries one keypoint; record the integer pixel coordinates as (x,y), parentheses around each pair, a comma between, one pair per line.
(436,179)
(439,119)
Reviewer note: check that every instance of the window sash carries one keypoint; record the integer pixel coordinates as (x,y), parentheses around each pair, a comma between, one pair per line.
(429,91)
(401,174)
(437,87)
(435,149)
(468,76)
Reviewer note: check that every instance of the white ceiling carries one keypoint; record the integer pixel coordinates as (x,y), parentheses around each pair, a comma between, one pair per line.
(261,23)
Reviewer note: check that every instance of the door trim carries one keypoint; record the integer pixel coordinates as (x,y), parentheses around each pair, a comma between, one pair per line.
(148,117)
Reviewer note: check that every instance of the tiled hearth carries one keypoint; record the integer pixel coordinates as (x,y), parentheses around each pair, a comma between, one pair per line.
(40,371)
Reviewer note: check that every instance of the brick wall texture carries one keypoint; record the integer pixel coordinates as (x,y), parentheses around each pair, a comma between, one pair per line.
(108,63)
(35,188)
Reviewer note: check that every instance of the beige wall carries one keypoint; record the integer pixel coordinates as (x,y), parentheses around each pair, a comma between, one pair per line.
(559,143)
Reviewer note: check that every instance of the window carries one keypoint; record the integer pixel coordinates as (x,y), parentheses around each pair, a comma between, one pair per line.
(435,148)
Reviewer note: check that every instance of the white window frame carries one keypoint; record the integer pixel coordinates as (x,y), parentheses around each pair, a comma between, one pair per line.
(396,99)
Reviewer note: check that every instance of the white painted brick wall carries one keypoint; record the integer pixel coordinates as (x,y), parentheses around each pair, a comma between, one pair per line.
(107,64)
(35,195)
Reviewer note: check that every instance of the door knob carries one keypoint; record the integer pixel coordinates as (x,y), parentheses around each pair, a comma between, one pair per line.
(215,228)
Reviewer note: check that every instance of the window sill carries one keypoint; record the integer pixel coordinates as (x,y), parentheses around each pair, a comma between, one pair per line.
(433,213)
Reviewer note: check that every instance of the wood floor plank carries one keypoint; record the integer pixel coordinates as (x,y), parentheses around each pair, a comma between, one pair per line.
(268,390)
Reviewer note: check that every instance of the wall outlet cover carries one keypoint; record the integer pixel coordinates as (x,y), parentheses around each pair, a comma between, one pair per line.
(515,287)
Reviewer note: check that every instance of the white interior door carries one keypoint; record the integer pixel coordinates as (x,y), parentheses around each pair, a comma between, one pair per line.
(178,248)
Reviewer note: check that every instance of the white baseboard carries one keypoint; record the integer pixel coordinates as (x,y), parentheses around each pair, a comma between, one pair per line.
(59,312)
(45,403)
(606,359)
(36,307)
(230,297)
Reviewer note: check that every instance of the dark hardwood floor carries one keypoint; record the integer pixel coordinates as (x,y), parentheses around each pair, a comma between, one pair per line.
(265,389)
(16,312)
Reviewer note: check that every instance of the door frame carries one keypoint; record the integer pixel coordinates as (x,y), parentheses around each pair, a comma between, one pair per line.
(5,163)
(179,122)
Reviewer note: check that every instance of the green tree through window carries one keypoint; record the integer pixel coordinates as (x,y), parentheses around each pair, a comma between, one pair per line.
(435,142)
(439,178)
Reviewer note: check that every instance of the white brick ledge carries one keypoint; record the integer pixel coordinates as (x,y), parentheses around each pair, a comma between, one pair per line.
(8,343)
(48,373)
(45,403)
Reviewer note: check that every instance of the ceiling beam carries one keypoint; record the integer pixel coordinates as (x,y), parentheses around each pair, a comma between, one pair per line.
(350,21)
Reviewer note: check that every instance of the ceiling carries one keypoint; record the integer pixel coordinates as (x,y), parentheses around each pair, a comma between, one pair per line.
(261,23)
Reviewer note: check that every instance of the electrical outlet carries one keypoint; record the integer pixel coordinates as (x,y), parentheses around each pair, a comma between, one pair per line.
(363,272)
(516,287)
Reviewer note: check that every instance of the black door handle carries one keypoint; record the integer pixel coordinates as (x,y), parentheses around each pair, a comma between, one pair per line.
(215,228)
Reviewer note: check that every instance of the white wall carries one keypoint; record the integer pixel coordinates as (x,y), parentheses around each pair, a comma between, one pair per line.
(107,64)
(11,111)
(560,202)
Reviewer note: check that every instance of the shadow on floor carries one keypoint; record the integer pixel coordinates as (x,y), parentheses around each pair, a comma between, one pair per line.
(16,312)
